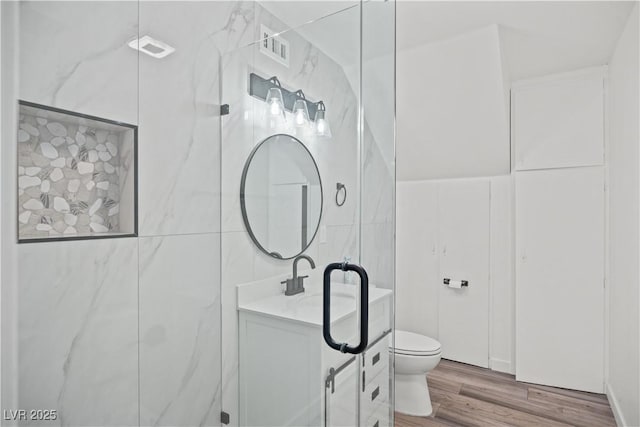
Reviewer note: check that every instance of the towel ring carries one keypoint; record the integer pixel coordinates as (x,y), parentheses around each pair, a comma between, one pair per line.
(340,187)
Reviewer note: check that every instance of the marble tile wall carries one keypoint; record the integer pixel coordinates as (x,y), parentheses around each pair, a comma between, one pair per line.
(78,331)
(78,300)
(338,160)
(321,78)
(378,142)
(189,175)
(97,74)
(176,103)
(181,179)
(180,330)
(377,232)
(180,153)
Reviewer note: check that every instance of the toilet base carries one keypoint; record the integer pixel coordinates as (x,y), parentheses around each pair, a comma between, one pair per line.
(412,395)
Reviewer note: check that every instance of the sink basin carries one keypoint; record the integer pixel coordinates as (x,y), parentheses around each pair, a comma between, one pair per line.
(337,299)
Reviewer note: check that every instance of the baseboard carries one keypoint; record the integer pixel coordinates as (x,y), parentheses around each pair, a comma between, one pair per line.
(615,406)
(501,366)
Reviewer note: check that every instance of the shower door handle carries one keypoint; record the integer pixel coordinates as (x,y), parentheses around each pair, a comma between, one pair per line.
(364,308)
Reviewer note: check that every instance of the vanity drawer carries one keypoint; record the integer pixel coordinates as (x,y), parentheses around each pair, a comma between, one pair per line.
(375,394)
(380,417)
(376,359)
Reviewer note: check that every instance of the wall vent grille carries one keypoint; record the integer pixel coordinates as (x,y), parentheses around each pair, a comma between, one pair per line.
(275,47)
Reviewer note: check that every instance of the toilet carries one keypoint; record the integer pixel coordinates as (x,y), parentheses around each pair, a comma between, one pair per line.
(415,355)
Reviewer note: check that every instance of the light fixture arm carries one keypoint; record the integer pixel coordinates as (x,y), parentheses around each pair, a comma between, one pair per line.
(275,82)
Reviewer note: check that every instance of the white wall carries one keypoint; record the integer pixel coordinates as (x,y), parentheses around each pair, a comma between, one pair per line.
(452,119)
(418,280)
(452,122)
(419,158)
(557,121)
(623,376)
(501,277)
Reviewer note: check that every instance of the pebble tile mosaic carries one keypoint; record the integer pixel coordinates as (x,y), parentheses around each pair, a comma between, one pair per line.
(70,175)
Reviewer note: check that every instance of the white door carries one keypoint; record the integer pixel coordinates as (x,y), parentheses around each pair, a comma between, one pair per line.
(559,277)
(463,234)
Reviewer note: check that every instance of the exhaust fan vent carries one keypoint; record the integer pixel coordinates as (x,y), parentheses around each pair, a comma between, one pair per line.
(151,47)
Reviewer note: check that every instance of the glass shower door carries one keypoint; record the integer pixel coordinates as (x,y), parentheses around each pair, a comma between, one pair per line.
(307,220)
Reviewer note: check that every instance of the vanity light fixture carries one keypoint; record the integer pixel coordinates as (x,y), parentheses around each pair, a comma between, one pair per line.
(322,125)
(152,47)
(300,111)
(275,116)
(274,98)
(304,111)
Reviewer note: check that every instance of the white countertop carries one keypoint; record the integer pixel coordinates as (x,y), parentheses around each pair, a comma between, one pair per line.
(305,307)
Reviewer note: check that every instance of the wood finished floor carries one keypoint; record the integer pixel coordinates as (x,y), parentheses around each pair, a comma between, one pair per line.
(465,395)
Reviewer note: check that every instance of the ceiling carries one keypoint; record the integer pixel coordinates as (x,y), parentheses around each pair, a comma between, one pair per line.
(538,37)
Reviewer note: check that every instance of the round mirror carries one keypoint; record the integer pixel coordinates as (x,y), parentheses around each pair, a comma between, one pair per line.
(281,196)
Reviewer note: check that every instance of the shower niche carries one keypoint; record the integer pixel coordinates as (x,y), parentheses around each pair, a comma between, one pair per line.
(77,175)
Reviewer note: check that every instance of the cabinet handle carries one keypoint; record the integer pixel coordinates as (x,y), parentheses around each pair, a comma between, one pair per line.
(330,381)
(375,393)
(376,359)
(364,308)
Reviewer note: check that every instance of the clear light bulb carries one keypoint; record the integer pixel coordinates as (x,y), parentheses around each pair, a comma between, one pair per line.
(275,108)
(274,112)
(300,118)
(322,125)
(275,101)
(300,113)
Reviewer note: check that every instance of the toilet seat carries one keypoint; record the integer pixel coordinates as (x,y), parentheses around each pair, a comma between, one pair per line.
(412,344)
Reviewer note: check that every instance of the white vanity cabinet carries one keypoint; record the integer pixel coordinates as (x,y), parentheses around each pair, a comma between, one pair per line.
(290,377)
(375,394)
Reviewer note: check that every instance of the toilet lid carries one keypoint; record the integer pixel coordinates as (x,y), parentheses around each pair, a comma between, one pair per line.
(415,344)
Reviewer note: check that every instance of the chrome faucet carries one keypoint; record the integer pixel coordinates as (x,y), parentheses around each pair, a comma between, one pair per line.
(295,285)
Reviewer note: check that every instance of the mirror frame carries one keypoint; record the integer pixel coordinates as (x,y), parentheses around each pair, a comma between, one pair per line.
(243,207)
